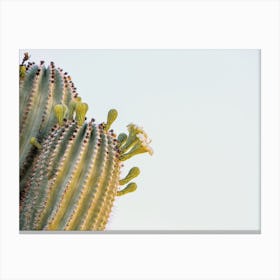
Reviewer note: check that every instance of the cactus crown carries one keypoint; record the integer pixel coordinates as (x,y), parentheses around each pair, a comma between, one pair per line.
(69,168)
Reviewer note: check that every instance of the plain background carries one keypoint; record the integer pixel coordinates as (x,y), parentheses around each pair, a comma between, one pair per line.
(188,24)
(202,110)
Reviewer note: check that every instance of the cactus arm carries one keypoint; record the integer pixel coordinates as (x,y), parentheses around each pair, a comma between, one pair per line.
(79,181)
(41,89)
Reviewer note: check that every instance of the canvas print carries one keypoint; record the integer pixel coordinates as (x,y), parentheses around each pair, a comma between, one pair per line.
(92,120)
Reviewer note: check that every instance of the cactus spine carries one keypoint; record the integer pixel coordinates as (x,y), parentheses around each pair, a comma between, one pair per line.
(74,174)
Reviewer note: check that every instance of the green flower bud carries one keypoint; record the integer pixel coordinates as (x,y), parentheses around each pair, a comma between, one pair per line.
(134,172)
(129,188)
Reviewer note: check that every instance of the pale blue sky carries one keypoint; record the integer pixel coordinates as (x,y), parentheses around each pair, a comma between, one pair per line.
(202,110)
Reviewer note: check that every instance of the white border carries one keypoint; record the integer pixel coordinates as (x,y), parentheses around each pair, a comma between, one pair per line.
(154,24)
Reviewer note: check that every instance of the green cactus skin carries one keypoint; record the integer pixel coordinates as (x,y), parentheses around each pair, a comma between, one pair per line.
(73,175)
(72,185)
(41,88)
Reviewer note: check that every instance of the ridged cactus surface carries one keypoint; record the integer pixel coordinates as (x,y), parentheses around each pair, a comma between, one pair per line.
(69,168)
(40,89)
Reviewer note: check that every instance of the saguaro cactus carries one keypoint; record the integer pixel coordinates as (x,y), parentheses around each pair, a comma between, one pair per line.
(73,179)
